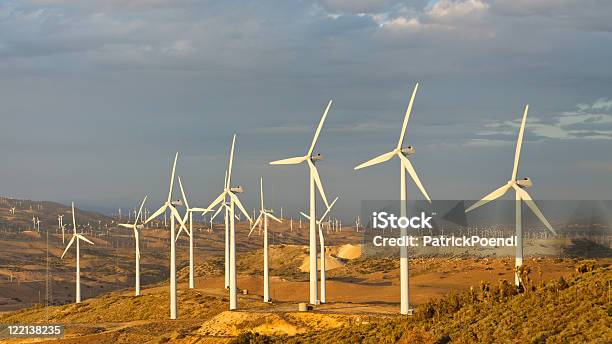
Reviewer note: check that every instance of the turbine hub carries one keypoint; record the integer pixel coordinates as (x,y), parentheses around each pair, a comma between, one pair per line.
(409,150)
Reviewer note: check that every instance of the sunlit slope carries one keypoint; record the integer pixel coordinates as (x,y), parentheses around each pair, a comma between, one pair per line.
(573,310)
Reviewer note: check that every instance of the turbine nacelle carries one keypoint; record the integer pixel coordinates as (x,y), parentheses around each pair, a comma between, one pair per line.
(177,203)
(316,157)
(524,183)
(408,150)
(237,189)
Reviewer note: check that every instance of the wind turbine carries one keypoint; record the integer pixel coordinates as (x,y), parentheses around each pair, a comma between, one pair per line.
(189,212)
(136,227)
(310,159)
(229,191)
(174,215)
(224,206)
(264,214)
(322,248)
(76,237)
(405,166)
(520,195)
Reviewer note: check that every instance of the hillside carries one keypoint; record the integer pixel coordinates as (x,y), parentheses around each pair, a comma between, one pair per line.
(576,309)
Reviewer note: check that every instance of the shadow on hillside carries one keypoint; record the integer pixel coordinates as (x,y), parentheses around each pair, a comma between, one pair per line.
(587,249)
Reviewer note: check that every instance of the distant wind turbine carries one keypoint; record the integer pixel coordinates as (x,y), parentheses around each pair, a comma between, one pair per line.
(229,191)
(322,249)
(174,215)
(264,214)
(136,227)
(189,213)
(76,237)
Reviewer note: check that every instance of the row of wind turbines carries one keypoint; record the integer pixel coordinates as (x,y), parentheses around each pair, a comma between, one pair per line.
(227,201)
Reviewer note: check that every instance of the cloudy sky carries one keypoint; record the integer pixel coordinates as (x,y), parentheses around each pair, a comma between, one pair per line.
(97,95)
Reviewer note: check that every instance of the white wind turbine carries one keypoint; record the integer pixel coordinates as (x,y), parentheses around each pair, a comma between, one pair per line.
(224,206)
(189,212)
(174,215)
(76,237)
(322,249)
(405,166)
(136,227)
(310,159)
(229,191)
(520,195)
(264,214)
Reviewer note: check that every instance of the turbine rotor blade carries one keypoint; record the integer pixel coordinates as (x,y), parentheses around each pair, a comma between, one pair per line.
(290,161)
(172,177)
(318,132)
(408,166)
(490,197)
(73,219)
(306,216)
(317,179)
(126,225)
(157,213)
(407,117)
(261,193)
(231,161)
(376,160)
(140,210)
(84,239)
(240,206)
(255,224)
(519,143)
(68,246)
(183,193)
(219,198)
(328,209)
(217,212)
(273,217)
(534,208)
(176,214)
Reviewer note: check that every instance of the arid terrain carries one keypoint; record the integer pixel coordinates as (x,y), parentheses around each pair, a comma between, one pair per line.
(361,290)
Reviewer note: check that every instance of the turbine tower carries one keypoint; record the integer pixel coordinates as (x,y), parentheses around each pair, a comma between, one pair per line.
(264,214)
(136,227)
(310,159)
(520,195)
(76,237)
(405,166)
(174,215)
(189,212)
(230,192)
(322,248)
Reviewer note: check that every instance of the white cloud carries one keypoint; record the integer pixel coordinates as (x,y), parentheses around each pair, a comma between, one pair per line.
(587,122)
(454,9)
